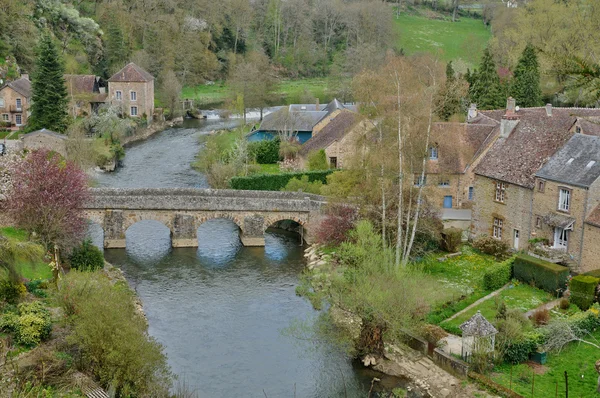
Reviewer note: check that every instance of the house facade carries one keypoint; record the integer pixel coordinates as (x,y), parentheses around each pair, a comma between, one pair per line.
(85,94)
(15,102)
(132,90)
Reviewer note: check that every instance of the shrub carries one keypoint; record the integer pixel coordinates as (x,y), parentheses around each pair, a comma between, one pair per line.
(433,333)
(37,288)
(265,151)
(86,257)
(491,246)
(564,303)
(518,351)
(317,160)
(30,325)
(11,292)
(540,317)
(275,182)
(542,274)
(585,322)
(303,185)
(498,275)
(451,239)
(583,290)
(334,228)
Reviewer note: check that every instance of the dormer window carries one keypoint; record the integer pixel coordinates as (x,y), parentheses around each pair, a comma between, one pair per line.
(118,95)
(433,152)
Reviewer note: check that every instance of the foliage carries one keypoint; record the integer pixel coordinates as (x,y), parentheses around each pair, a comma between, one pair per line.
(433,333)
(334,228)
(564,303)
(265,151)
(111,336)
(540,317)
(274,182)
(451,239)
(303,185)
(485,87)
(86,257)
(452,96)
(583,290)
(492,246)
(16,250)
(498,275)
(55,216)
(31,324)
(11,291)
(317,160)
(170,92)
(545,275)
(49,93)
(525,87)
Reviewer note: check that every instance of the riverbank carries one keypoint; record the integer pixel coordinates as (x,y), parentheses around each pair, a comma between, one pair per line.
(147,132)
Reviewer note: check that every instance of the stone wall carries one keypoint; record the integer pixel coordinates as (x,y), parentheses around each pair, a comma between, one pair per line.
(10,100)
(144,97)
(346,148)
(590,259)
(449,363)
(45,141)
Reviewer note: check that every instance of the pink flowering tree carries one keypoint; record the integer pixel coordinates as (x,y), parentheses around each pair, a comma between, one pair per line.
(46,198)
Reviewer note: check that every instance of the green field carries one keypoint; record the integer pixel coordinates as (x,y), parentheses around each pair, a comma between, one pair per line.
(28,270)
(465,39)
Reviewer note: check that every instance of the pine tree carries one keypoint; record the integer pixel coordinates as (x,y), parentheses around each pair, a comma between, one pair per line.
(450,74)
(116,50)
(486,90)
(525,88)
(448,101)
(49,91)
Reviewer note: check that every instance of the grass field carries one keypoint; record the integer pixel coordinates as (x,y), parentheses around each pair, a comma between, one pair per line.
(465,39)
(27,270)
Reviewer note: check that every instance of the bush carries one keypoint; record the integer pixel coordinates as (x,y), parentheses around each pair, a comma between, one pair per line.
(303,185)
(585,322)
(583,291)
(540,273)
(12,292)
(498,275)
(451,239)
(518,351)
(540,317)
(491,246)
(86,257)
(317,160)
(275,182)
(30,325)
(265,151)
(334,228)
(564,303)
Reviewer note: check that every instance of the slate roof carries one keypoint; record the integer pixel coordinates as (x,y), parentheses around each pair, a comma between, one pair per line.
(594,217)
(131,73)
(46,132)
(590,126)
(336,129)
(80,84)
(535,139)
(478,326)
(291,121)
(21,85)
(572,164)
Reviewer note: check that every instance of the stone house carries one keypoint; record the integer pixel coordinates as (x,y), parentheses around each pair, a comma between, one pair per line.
(132,89)
(505,177)
(45,139)
(15,101)
(85,93)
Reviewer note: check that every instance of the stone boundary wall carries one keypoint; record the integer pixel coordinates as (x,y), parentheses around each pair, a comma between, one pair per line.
(449,363)
(416,343)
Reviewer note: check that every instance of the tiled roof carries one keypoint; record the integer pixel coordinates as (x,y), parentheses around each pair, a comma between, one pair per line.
(284,120)
(336,129)
(532,142)
(80,84)
(21,85)
(577,163)
(594,217)
(478,326)
(46,132)
(131,73)
(590,126)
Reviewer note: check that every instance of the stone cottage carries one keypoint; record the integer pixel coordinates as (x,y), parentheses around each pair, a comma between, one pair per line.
(132,89)
(45,139)
(85,94)
(15,100)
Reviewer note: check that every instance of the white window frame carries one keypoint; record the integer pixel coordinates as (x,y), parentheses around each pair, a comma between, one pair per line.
(471,193)
(564,200)
(5,117)
(133,94)
(561,238)
(118,95)
(444,183)
(500,191)
(497,228)
(17,118)
(433,152)
(131,113)
(420,182)
(2,105)
(19,104)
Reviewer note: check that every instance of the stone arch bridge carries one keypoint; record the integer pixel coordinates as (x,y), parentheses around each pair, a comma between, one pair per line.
(183,210)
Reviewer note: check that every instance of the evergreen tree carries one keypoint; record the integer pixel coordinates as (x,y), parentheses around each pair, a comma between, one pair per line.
(116,49)
(450,74)
(49,91)
(486,90)
(525,88)
(448,101)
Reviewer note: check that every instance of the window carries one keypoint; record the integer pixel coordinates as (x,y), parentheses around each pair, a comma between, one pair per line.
(471,193)
(133,95)
(561,238)
(541,185)
(538,222)
(133,111)
(578,130)
(433,152)
(420,180)
(333,162)
(18,120)
(564,199)
(500,191)
(5,117)
(19,104)
(444,183)
(497,230)
(118,95)
(1,102)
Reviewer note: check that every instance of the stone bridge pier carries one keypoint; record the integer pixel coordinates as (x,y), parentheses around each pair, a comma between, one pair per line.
(184,210)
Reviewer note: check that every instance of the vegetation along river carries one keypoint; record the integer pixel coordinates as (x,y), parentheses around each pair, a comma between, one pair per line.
(221,310)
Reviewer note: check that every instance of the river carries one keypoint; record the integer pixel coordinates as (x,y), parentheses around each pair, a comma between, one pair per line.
(224,312)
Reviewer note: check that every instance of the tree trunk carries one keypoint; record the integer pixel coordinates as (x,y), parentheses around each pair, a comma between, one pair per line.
(455,10)
(400,174)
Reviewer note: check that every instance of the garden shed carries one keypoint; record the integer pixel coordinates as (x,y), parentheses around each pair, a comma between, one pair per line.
(478,336)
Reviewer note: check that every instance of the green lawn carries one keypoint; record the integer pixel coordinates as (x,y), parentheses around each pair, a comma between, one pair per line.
(465,39)
(31,271)
(521,296)
(577,359)
(269,168)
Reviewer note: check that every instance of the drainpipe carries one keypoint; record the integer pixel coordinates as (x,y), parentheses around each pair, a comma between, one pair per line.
(587,197)
(530,217)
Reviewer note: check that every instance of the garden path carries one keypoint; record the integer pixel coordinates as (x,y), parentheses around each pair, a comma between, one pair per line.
(481,300)
(549,305)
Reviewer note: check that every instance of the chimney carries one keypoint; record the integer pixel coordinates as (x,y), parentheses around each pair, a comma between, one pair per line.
(317,105)
(548,109)
(25,76)
(510,119)
(472,114)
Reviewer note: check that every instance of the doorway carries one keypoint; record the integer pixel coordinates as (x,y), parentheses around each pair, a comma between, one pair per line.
(516,239)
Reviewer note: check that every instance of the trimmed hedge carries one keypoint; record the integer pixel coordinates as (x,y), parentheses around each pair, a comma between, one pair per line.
(275,182)
(583,291)
(498,274)
(542,274)
(519,351)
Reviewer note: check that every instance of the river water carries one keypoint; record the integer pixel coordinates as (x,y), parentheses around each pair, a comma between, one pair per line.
(224,313)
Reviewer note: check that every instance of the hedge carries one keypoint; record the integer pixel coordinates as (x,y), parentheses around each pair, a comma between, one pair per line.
(583,291)
(542,274)
(274,182)
(498,274)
